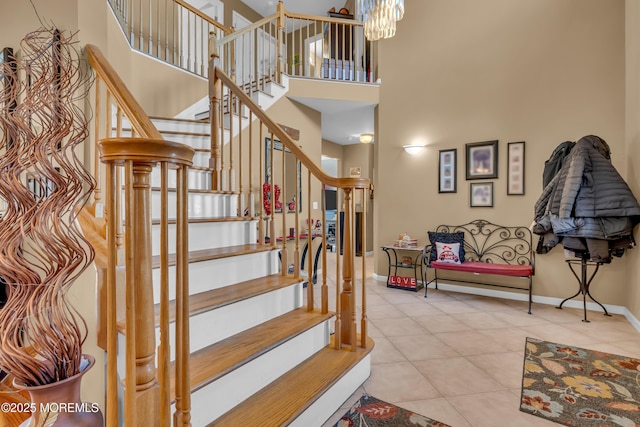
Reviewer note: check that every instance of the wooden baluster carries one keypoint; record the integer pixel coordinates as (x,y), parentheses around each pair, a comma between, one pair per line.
(240,159)
(217,135)
(272,223)
(230,184)
(338,326)
(97,192)
(251,193)
(310,296)
(112,333)
(347,301)
(280,23)
(284,253)
(364,321)
(182,268)
(261,227)
(325,288)
(118,194)
(164,347)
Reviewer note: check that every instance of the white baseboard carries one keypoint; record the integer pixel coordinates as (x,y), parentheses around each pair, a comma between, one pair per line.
(591,306)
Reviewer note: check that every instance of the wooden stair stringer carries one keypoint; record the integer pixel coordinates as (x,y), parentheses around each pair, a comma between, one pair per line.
(282,401)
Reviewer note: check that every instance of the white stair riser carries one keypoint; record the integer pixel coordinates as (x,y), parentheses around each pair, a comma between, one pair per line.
(332,399)
(209,235)
(201,142)
(215,325)
(196,179)
(218,273)
(199,205)
(198,141)
(240,384)
(174,126)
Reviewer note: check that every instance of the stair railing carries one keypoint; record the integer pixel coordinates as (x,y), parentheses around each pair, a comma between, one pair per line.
(172,31)
(245,135)
(127,281)
(297,45)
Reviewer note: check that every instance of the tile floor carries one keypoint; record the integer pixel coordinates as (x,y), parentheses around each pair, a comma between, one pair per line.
(457,358)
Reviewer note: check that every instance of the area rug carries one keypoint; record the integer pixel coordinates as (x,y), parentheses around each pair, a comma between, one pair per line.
(372,412)
(577,387)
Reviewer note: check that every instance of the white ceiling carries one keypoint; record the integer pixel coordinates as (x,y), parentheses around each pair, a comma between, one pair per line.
(342,121)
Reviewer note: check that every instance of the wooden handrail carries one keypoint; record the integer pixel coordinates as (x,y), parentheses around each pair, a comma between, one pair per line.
(245,30)
(362,183)
(139,119)
(325,19)
(225,29)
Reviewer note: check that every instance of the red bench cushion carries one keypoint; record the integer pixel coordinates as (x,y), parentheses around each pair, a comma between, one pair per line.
(486,268)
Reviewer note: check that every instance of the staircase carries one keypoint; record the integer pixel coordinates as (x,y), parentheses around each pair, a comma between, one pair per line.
(258,355)
(216,330)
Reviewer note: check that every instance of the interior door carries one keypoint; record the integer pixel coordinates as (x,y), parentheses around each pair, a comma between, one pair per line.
(244,51)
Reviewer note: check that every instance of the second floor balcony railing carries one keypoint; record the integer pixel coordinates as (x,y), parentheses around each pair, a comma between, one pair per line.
(321,47)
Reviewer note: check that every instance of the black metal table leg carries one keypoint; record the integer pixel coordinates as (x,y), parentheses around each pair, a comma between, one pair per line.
(584,285)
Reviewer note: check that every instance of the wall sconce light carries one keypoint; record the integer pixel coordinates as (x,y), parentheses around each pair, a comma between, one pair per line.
(413,149)
(366,138)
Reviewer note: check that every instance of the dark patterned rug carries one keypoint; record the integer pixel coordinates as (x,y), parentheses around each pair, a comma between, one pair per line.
(372,412)
(578,387)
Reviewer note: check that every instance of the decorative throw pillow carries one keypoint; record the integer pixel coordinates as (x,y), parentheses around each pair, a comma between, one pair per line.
(448,252)
(457,237)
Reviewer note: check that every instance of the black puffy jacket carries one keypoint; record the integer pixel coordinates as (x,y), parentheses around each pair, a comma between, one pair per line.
(588,197)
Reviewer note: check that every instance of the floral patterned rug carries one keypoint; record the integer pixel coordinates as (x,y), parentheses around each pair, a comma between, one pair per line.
(372,412)
(578,387)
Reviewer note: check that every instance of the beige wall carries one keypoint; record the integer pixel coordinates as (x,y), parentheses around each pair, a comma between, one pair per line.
(540,71)
(242,9)
(632,140)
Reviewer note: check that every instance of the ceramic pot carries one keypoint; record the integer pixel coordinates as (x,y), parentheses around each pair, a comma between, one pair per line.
(58,404)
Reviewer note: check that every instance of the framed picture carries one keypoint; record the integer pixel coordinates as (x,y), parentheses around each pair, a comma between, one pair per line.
(355,172)
(447,171)
(481,194)
(292,173)
(515,168)
(482,160)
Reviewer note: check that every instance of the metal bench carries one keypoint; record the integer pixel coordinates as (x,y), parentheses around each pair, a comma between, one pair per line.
(490,249)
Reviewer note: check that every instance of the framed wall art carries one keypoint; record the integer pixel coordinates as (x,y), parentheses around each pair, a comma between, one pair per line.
(515,168)
(481,194)
(447,171)
(482,160)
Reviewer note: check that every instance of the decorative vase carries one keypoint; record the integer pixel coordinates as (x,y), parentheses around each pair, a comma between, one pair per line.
(58,404)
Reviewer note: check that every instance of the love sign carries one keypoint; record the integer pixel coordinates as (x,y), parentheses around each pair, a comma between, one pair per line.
(405,282)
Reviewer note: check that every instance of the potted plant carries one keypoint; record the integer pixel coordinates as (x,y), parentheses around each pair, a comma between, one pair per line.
(43,250)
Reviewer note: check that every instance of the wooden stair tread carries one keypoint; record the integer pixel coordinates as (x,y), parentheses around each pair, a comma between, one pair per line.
(197,190)
(175,119)
(282,401)
(217,360)
(203,220)
(217,253)
(220,297)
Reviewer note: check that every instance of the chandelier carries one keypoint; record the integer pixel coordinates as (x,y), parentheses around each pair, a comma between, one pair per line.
(379,17)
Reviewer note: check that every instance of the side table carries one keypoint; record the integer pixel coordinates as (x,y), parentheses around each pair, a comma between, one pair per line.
(413,260)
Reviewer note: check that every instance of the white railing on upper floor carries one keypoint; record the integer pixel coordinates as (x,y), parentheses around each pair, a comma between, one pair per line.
(298,45)
(172,31)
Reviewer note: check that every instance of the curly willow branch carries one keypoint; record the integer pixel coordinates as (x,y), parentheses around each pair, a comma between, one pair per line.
(44,183)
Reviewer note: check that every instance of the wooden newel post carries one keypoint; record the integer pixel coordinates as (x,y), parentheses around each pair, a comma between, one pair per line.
(280,22)
(215,94)
(139,277)
(142,387)
(347,297)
